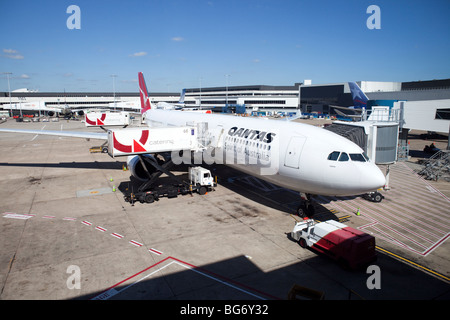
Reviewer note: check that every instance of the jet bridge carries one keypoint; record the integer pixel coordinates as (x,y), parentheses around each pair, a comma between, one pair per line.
(136,141)
(378,139)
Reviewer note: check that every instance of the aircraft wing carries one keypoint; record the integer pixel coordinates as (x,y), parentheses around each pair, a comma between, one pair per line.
(352,111)
(74,134)
(292,118)
(347,115)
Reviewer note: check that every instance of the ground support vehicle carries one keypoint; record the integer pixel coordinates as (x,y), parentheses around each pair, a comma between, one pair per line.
(201,181)
(352,248)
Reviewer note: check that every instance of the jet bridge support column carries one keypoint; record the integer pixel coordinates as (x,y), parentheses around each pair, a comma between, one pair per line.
(448,141)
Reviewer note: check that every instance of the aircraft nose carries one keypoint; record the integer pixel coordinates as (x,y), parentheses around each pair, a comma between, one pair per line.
(373,179)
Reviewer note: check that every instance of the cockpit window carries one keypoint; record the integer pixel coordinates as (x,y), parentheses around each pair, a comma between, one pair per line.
(333,156)
(343,157)
(357,157)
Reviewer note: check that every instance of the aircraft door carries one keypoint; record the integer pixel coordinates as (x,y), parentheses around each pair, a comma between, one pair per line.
(293,152)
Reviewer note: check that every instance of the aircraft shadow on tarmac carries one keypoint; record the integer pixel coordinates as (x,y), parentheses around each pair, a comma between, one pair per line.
(239,278)
(75,165)
(281,199)
(284,201)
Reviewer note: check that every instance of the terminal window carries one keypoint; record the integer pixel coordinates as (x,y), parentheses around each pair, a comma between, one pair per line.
(443,114)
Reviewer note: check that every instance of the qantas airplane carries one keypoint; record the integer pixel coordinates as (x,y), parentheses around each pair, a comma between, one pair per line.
(297,156)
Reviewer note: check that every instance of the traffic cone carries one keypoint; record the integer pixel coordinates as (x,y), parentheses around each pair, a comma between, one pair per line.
(114,188)
(111,179)
(358,213)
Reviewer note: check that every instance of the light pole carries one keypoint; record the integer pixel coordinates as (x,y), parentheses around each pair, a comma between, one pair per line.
(226,92)
(114,89)
(200,102)
(9,90)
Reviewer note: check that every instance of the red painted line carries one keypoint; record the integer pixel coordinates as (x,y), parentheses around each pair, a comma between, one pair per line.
(155,251)
(135,243)
(118,236)
(48,217)
(226,279)
(131,277)
(194,267)
(69,219)
(437,244)
(100,229)
(86,223)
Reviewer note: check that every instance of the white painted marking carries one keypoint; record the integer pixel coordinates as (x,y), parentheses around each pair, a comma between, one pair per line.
(18,216)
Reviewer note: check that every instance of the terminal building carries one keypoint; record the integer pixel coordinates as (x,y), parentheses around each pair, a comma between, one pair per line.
(311,99)
(417,105)
(257,99)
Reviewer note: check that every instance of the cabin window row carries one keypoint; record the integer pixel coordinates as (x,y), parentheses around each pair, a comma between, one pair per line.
(248,143)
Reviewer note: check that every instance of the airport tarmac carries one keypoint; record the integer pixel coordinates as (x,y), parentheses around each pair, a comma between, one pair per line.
(66,234)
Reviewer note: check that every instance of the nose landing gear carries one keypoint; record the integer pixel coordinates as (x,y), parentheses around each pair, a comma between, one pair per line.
(373,196)
(306,209)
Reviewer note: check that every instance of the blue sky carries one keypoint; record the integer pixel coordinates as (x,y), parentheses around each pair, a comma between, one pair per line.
(180,44)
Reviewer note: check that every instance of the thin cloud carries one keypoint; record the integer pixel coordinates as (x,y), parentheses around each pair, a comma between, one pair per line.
(139,54)
(13,54)
(177,39)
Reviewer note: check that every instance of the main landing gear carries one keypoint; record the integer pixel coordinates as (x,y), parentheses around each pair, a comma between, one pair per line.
(306,209)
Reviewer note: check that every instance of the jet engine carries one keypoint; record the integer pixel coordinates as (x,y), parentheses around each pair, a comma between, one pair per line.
(134,164)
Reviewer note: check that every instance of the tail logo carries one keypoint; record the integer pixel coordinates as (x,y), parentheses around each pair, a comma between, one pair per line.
(359,98)
(143,93)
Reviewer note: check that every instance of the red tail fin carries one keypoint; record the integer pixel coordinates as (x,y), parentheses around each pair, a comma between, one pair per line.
(145,101)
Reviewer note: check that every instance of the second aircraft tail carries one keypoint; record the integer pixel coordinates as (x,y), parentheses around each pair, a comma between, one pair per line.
(359,97)
(145,100)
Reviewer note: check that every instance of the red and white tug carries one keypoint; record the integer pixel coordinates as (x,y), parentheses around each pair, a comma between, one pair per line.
(349,246)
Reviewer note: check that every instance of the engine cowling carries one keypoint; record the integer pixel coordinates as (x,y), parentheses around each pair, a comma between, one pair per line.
(136,168)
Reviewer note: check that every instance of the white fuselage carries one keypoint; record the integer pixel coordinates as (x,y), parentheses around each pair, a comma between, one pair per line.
(293,155)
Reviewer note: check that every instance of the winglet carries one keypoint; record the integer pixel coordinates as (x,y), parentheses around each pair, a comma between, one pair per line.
(145,101)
